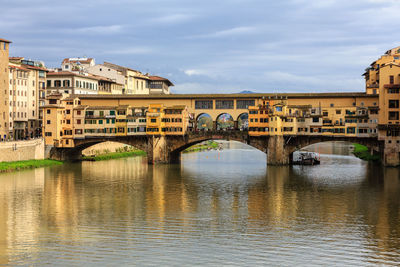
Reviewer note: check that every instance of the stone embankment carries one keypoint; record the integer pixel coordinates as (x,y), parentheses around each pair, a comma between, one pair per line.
(22,150)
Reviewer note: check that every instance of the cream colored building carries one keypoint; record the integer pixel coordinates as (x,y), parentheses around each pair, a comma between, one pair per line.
(18,101)
(110,73)
(77,65)
(35,93)
(65,82)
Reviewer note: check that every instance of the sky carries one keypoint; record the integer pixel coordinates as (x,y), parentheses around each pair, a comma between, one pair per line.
(212,46)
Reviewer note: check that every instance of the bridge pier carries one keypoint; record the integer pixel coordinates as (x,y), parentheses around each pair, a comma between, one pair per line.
(277,152)
(157,150)
(65,154)
(391,154)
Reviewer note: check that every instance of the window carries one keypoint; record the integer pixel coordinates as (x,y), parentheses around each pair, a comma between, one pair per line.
(48,83)
(48,122)
(153,120)
(224,104)
(391,79)
(78,112)
(244,104)
(47,134)
(66,83)
(393,115)
(393,103)
(338,111)
(68,111)
(48,111)
(278,108)
(332,105)
(78,121)
(204,104)
(100,121)
(315,119)
(112,112)
(78,131)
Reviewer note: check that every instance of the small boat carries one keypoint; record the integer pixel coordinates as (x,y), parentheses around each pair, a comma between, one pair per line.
(306,158)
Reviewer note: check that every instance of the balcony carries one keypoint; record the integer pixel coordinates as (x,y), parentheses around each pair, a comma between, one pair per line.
(390,86)
(373,85)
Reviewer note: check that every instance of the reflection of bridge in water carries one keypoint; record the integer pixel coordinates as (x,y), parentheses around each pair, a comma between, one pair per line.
(167,149)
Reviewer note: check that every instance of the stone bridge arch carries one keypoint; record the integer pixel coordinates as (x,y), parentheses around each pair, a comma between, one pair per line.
(75,153)
(177,145)
(281,149)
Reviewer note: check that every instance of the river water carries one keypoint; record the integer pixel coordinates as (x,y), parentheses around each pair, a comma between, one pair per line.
(216,208)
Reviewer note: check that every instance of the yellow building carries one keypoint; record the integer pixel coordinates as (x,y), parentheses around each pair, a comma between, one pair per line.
(176,120)
(384,76)
(53,113)
(101,121)
(121,123)
(259,119)
(154,116)
(4,90)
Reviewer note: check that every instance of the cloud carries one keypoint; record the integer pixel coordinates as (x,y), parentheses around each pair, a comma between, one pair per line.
(130,51)
(226,33)
(110,29)
(172,19)
(193,72)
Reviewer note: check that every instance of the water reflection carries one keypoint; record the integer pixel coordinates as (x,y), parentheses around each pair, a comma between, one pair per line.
(217,207)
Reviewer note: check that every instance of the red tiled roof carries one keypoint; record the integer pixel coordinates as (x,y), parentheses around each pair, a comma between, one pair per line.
(16,58)
(67,60)
(67,73)
(34,67)
(112,65)
(158,78)
(17,67)
(4,40)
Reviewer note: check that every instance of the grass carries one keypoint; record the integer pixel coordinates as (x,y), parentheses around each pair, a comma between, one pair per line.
(362,152)
(115,155)
(197,148)
(27,164)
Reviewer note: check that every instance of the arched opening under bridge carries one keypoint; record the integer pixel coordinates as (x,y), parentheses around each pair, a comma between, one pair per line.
(337,149)
(107,147)
(94,146)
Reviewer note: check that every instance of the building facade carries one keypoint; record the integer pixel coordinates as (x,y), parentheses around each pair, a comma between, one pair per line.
(65,82)
(4,89)
(382,77)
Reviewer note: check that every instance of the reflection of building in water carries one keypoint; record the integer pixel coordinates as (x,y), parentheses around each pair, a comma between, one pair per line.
(20,213)
(168,195)
(60,206)
(384,211)
(271,203)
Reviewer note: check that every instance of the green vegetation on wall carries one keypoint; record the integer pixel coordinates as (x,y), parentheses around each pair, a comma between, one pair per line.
(362,152)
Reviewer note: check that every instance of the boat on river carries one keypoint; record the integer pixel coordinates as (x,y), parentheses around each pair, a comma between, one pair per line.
(306,158)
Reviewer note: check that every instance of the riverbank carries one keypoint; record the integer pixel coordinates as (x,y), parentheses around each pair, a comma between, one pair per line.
(362,152)
(27,164)
(201,147)
(115,155)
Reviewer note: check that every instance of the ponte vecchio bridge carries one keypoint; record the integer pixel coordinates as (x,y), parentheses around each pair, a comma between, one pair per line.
(306,119)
